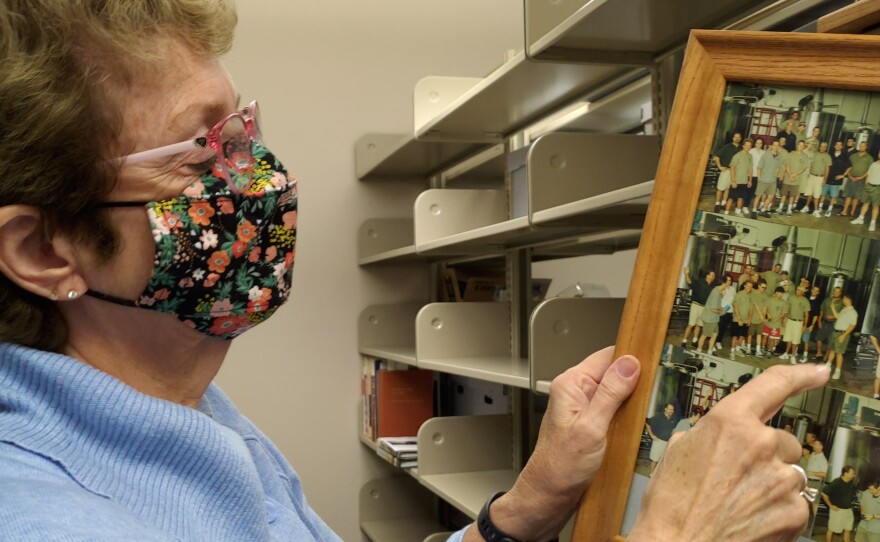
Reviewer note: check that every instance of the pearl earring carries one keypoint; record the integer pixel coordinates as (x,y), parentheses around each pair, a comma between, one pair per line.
(53,295)
(73,294)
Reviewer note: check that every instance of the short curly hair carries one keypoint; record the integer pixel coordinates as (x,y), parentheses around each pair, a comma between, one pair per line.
(60,117)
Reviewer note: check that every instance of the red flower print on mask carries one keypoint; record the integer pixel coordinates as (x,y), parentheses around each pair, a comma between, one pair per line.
(289,219)
(173,221)
(246,231)
(257,306)
(211,280)
(238,249)
(162,294)
(201,212)
(221,307)
(226,206)
(271,253)
(254,255)
(228,324)
(218,261)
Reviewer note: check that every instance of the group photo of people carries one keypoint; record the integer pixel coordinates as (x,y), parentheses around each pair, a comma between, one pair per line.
(765,293)
(839,432)
(799,156)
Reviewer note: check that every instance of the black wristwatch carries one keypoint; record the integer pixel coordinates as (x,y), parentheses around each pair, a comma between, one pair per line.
(487,529)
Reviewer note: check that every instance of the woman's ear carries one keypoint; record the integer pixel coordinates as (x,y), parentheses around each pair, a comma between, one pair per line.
(42,266)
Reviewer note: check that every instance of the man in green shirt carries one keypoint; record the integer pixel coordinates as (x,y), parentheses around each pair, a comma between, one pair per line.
(774,315)
(800,132)
(795,166)
(741,167)
(869,507)
(820,165)
(745,275)
(756,322)
(769,172)
(827,319)
(772,277)
(798,313)
(871,196)
(858,170)
(742,316)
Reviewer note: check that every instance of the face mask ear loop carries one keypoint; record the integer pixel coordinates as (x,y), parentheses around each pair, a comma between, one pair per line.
(111,299)
(106,204)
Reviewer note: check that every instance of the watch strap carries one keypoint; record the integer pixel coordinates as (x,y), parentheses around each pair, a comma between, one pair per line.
(487,529)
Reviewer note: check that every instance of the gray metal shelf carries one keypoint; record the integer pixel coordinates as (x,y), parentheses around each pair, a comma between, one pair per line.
(625,31)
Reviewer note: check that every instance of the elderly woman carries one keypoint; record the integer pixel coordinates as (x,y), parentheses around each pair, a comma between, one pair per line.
(143,225)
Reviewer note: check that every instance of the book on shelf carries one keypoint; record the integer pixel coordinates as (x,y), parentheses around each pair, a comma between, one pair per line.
(404,447)
(403,463)
(459,285)
(396,399)
(399,451)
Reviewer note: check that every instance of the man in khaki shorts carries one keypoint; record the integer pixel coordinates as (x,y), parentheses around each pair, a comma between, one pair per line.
(820,165)
(795,166)
(858,170)
(700,289)
(871,197)
(741,166)
(798,313)
(769,170)
(756,321)
(722,160)
(847,318)
(838,496)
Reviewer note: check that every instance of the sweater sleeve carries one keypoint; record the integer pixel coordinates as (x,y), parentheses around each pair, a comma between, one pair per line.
(457,536)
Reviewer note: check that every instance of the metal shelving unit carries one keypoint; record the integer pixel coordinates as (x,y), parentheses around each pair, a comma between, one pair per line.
(525,164)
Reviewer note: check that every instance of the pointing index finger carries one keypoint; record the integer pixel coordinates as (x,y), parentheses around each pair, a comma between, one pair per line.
(765,394)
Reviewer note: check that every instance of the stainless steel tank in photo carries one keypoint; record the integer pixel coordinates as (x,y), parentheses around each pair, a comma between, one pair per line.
(838,280)
(705,254)
(802,427)
(687,262)
(765,260)
(865,135)
(734,117)
(829,124)
(872,313)
(798,266)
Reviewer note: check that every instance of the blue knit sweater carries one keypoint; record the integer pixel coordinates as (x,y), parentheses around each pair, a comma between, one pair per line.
(84,457)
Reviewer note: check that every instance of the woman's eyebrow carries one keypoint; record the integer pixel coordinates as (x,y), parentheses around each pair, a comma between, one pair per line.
(197,118)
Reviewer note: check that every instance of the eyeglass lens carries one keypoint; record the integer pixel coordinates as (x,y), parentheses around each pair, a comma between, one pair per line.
(237,153)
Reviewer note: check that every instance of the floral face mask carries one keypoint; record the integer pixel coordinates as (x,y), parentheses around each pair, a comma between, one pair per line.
(223,261)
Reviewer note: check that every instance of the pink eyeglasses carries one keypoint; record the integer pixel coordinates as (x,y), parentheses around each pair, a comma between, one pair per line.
(230,139)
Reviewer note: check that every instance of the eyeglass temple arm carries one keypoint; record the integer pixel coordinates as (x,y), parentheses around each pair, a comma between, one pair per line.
(167,150)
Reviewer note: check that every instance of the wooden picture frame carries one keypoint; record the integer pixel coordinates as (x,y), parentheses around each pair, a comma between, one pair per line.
(713,59)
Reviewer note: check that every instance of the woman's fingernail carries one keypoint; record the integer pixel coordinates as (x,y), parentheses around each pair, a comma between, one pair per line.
(626,366)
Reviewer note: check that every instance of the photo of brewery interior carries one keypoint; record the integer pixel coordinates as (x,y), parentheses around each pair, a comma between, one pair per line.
(725,245)
(847,424)
(761,111)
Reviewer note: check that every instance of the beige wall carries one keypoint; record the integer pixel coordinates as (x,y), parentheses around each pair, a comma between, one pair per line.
(325,73)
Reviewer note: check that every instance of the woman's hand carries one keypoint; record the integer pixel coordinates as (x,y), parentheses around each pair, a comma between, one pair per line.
(570,448)
(730,477)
